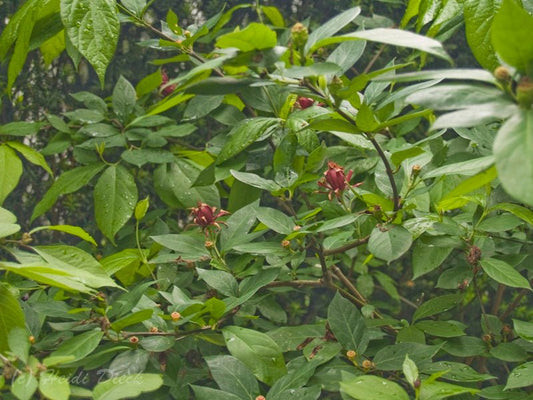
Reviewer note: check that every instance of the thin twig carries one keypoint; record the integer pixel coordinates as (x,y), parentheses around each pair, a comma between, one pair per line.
(297,283)
(498,300)
(346,247)
(348,284)
(514,304)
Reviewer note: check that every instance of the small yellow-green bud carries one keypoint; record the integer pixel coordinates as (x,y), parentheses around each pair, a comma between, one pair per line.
(351,354)
(299,35)
(502,74)
(524,92)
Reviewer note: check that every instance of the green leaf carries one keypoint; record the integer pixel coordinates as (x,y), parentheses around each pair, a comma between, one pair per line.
(370,387)
(257,351)
(49,275)
(19,343)
(254,37)
(456,73)
(11,316)
(389,243)
(128,386)
(75,261)
(222,281)
(274,16)
(115,196)
(347,54)
(233,376)
(395,37)
(521,376)
(68,182)
(300,370)
(31,155)
(148,83)
(123,99)
(511,36)
(521,212)
(255,181)
(499,223)
(391,358)
(512,149)
(410,370)
(132,319)
(398,156)
(10,171)
(7,223)
(77,347)
(53,386)
(93,28)
(478,16)
(207,393)
(428,258)
(457,371)
(454,96)
(24,386)
(470,167)
(347,324)
(503,273)
(141,208)
(174,184)
(72,230)
(437,305)
(21,128)
(524,329)
(440,328)
(244,134)
(509,352)
(331,27)
(275,220)
(435,390)
(449,201)
(188,247)
(289,337)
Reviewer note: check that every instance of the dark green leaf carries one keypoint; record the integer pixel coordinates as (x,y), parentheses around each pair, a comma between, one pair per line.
(389,243)
(232,376)
(68,182)
(131,319)
(521,376)
(503,273)
(511,33)
(257,351)
(347,324)
(123,99)
(115,196)
(10,171)
(76,348)
(244,134)
(93,27)
(370,387)
(11,316)
(128,386)
(437,305)
(391,358)
(428,258)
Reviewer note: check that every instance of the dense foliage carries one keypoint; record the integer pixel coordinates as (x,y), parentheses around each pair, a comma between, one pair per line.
(277,210)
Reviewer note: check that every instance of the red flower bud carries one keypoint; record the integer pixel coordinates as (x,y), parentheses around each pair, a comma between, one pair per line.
(206,216)
(166,90)
(305,102)
(335,180)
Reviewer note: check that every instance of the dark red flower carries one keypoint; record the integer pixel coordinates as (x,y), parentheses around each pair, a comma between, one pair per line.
(166,90)
(335,180)
(305,102)
(206,216)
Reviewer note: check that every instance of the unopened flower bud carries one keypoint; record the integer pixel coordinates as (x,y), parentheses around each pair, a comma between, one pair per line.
(351,354)
(299,35)
(187,34)
(296,228)
(260,397)
(154,329)
(417,383)
(285,243)
(31,339)
(415,170)
(502,74)
(208,244)
(524,92)
(175,316)
(474,255)
(26,238)
(367,364)
(487,338)
(134,340)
